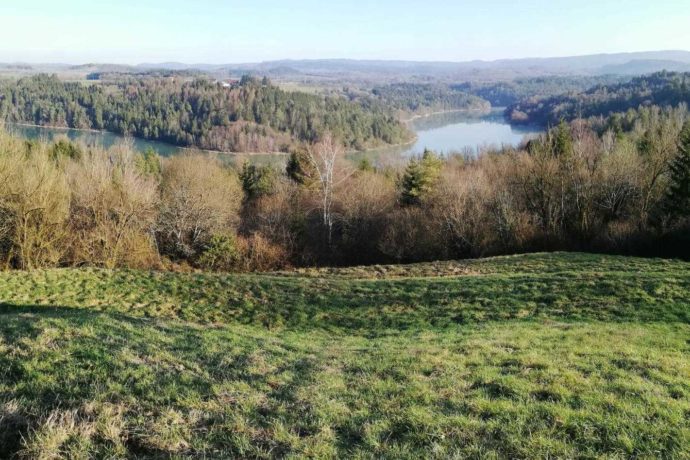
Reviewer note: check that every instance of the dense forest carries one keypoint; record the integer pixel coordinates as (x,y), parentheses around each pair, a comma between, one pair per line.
(662,89)
(505,93)
(580,186)
(424,98)
(116,75)
(421,98)
(251,115)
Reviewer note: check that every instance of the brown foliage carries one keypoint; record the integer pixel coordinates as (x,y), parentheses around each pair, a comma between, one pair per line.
(34,205)
(199,197)
(572,189)
(364,202)
(113,210)
(257,253)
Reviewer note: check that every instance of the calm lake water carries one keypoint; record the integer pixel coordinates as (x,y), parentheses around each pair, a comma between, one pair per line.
(459,132)
(100,138)
(444,133)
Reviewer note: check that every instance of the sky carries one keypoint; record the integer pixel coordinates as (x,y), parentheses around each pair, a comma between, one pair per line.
(215,31)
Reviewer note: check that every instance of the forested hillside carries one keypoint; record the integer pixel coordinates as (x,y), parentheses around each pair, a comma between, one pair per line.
(420,98)
(252,115)
(505,93)
(662,89)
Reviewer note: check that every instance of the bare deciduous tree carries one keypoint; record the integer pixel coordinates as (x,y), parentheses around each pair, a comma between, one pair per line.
(34,205)
(114,209)
(324,157)
(199,198)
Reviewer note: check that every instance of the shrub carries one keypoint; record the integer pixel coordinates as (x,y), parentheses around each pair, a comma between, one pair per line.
(257,180)
(220,253)
(34,206)
(113,210)
(200,198)
(257,253)
(64,149)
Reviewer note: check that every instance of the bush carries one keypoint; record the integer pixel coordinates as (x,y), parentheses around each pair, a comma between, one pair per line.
(232,253)
(34,206)
(257,253)
(257,180)
(220,254)
(113,210)
(200,198)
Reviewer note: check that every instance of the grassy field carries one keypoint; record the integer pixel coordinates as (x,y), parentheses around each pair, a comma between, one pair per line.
(558,355)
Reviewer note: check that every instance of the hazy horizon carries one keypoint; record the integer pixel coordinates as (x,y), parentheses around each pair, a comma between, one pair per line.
(331,58)
(215,32)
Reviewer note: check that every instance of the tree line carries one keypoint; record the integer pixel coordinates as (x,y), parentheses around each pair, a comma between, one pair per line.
(252,115)
(424,98)
(573,188)
(661,89)
(509,92)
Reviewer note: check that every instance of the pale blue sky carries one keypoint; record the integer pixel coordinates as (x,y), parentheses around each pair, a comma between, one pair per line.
(215,31)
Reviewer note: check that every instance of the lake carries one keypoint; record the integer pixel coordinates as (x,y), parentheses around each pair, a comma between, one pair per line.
(443,133)
(100,138)
(458,132)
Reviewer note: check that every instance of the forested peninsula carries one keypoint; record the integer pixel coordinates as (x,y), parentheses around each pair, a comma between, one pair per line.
(243,116)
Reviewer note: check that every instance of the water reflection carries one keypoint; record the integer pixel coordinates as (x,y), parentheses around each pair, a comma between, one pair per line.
(460,132)
(90,138)
(446,133)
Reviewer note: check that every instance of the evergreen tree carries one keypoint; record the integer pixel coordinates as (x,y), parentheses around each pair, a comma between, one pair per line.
(563,140)
(299,168)
(65,149)
(257,180)
(677,203)
(419,178)
(149,162)
(365,165)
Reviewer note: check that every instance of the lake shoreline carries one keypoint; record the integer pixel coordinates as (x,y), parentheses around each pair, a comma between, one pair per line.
(415,136)
(125,138)
(390,146)
(445,132)
(442,112)
(459,131)
(195,149)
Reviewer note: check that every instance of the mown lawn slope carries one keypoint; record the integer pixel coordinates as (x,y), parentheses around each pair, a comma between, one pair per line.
(561,355)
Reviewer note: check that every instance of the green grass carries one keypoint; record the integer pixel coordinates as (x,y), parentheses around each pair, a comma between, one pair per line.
(560,355)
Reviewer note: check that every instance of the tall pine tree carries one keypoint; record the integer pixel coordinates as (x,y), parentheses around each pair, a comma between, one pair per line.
(420,177)
(563,140)
(677,202)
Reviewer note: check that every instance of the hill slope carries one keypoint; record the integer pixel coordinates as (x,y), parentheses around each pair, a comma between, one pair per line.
(249,116)
(527,356)
(382,70)
(329,70)
(662,89)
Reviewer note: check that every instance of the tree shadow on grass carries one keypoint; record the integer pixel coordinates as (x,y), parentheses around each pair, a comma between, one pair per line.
(64,358)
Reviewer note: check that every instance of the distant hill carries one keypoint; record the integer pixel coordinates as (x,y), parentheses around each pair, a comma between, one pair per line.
(599,64)
(419,71)
(505,93)
(662,89)
(644,66)
(92,67)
